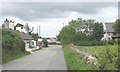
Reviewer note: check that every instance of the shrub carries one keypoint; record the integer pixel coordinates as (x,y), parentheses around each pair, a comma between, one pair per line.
(45,43)
(11,43)
(90,43)
(108,59)
(97,43)
(112,42)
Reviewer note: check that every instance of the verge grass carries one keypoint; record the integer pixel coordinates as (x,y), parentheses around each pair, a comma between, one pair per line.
(11,57)
(74,62)
(107,57)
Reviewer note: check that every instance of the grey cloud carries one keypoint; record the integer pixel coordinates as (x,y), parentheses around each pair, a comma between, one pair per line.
(29,11)
(119,9)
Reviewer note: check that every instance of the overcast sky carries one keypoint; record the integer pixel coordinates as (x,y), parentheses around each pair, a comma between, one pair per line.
(51,15)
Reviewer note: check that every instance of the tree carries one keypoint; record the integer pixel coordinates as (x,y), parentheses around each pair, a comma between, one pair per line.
(66,35)
(98,31)
(45,42)
(87,26)
(116,26)
(35,36)
(27,27)
(79,36)
(84,26)
(81,31)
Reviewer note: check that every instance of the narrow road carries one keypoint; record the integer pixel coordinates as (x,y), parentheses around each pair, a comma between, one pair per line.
(50,58)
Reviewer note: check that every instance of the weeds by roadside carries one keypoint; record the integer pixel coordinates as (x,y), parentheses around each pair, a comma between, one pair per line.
(107,57)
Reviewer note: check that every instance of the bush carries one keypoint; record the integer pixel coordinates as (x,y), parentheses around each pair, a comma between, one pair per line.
(11,43)
(90,43)
(96,43)
(112,42)
(45,43)
(108,59)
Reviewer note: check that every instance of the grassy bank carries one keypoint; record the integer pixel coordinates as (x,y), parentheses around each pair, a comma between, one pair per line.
(107,57)
(13,46)
(74,62)
(100,49)
(11,57)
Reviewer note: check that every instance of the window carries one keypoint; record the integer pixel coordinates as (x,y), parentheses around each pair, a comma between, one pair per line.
(32,43)
(109,34)
(21,27)
(114,33)
(108,38)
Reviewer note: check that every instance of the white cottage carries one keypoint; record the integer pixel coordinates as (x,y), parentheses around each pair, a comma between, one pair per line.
(11,25)
(109,32)
(8,24)
(21,28)
(26,38)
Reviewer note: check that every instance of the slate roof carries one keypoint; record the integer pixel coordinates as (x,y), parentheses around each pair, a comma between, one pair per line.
(109,26)
(24,36)
(19,25)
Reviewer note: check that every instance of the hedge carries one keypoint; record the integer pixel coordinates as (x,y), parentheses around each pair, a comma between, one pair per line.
(11,43)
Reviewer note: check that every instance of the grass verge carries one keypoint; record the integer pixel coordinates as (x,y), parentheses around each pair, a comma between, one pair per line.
(74,62)
(10,57)
(107,57)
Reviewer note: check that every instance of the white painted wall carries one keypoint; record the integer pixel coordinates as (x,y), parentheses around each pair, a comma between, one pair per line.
(107,36)
(26,44)
(11,25)
(18,28)
(23,30)
(6,25)
(40,40)
(34,43)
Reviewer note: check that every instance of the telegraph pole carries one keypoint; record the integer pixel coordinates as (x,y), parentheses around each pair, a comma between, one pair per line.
(63,24)
(39,30)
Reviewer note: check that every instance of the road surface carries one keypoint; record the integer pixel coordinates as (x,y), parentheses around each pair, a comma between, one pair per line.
(50,58)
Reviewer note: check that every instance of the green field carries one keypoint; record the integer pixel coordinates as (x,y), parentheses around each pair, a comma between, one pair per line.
(107,57)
